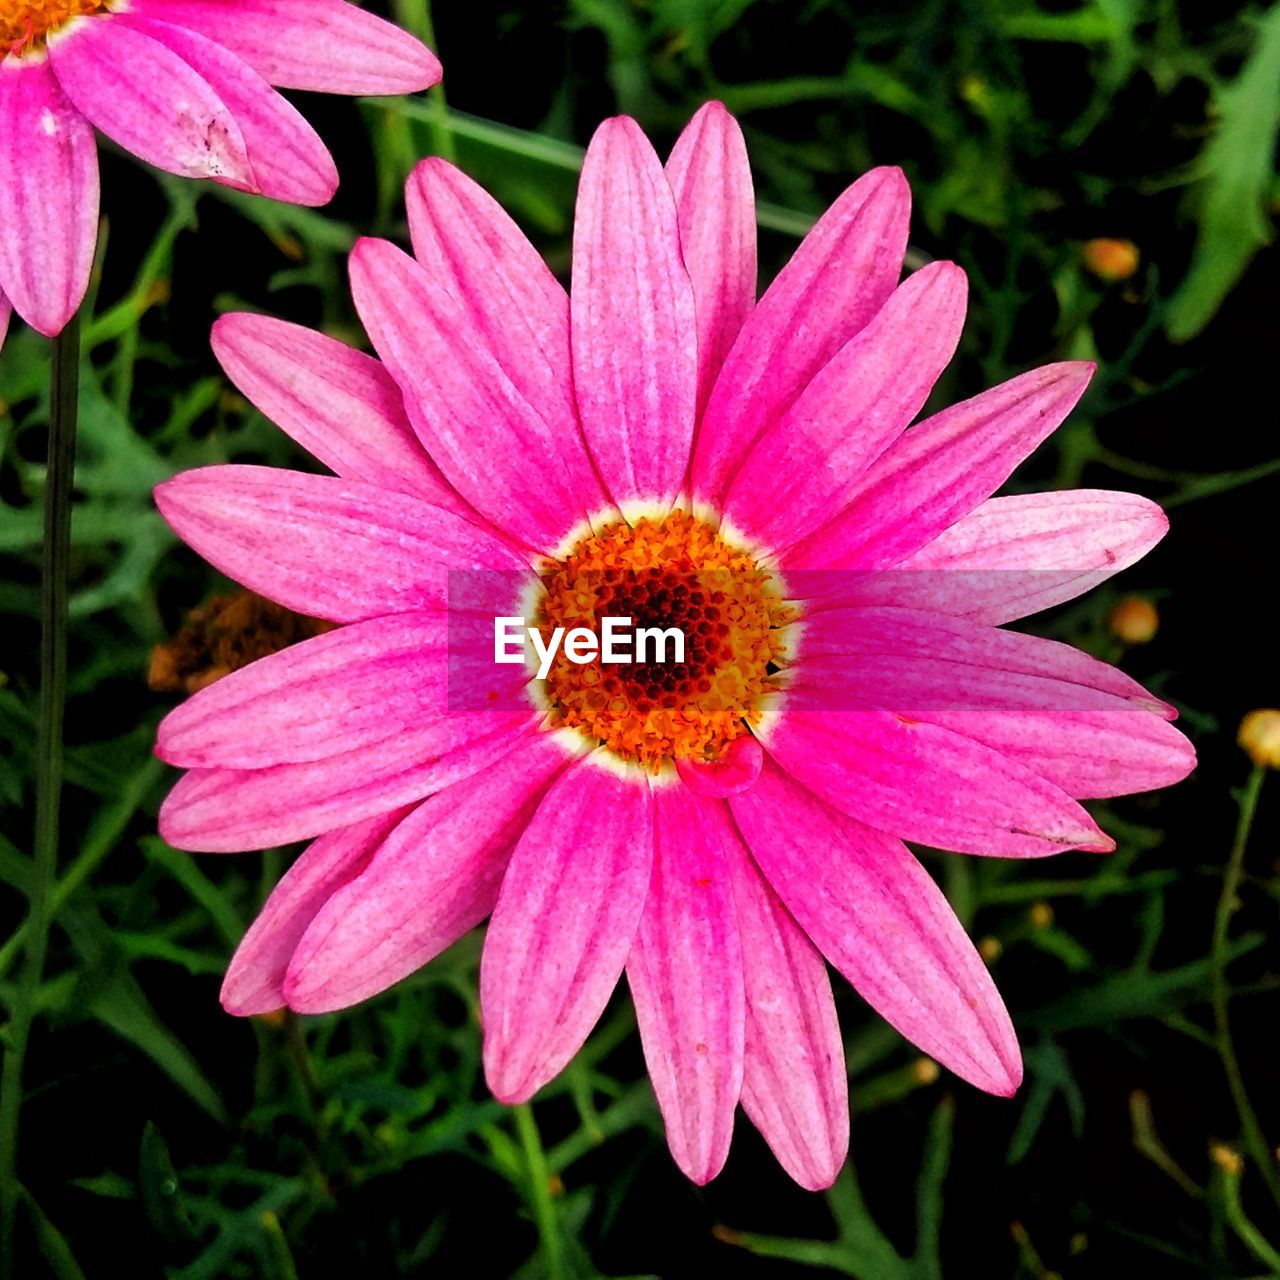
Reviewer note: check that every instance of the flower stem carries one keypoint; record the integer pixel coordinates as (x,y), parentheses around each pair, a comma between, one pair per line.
(1252,1238)
(63,409)
(1251,1129)
(544,1212)
(416,16)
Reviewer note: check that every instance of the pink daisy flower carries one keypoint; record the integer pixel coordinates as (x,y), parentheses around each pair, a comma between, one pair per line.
(182,84)
(660,444)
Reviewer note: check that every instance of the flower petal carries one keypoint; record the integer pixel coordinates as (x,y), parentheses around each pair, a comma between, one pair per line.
(685,972)
(875,913)
(5,312)
(710,178)
(565,920)
(1086,742)
(839,277)
(1014,556)
(635,336)
(436,876)
(230,810)
(919,634)
(735,771)
(467,401)
(48,198)
(924,783)
(255,978)
(151,102)
(942,469)
(289,161)
(1081,724)
(468,244)
(809,464)
(356,687)
(327,46)
(336,549)
(339,404)
(795,1088)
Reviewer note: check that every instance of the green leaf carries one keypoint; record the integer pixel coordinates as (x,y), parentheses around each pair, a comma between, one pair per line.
(160,1189)
(929,1193)
(183,868)
(1048,1073)
(1232,194)
(111,995)
(1135,994)
(123,1008)
(54,1249)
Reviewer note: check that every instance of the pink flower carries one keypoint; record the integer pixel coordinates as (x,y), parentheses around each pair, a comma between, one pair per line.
(182,84)
(719,834)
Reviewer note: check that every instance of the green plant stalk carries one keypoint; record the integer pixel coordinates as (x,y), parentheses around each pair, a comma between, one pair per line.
(1251,1129)
(64,397)
(415,16)
(1249,1235)
(544,1212)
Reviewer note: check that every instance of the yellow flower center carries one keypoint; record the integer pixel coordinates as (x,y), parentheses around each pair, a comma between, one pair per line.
(25,24)
(678,572)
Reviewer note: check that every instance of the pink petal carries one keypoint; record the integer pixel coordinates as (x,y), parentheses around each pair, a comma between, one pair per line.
(255,978)
(5,311)
(839,277)
(735,771)
(1081,724)
(340,405)
(1015,556)
(875,913)
(48,198)
(924,783)
(685,971)
(942,469)
(151,102)
(336,549)
(635,336)
(809,464)
(230,810)
(466,401)
(710,178)
(324,45)
(914,633)
(436,876)
(353,688)
(1086,742)
(468,245)
(566,916)
(794,1088)
(288,159)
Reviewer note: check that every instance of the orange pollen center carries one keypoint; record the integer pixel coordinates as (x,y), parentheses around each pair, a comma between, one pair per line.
(663,573)
(24,24)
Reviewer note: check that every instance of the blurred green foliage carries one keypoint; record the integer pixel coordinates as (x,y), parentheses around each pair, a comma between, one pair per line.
(156,1128)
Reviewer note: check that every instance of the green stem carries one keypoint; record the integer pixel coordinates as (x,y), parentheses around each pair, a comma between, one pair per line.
(1252,1130)
(1251,1237)
(64,404)
(544,1212)
(296,1041)
(415,16)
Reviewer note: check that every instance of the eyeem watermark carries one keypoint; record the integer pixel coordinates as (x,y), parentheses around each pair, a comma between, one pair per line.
(616,643)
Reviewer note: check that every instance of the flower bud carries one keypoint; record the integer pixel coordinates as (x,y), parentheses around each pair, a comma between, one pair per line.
(1134,620)
(1260,737)
(1111,260)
